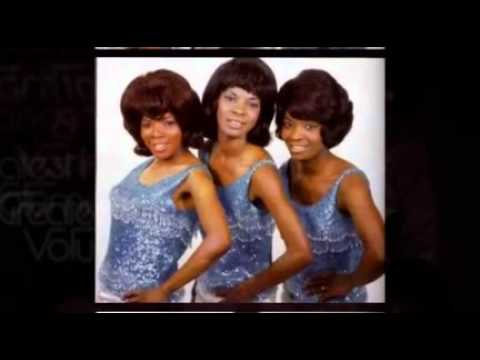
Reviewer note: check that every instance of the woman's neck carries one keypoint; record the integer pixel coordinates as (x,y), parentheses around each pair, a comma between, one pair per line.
(230,147)
(318,165)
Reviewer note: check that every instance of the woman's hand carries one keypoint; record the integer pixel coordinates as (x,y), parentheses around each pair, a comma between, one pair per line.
(239,294)
(330,285)
(157,295)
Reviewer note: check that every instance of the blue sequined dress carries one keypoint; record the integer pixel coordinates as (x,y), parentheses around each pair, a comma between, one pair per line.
(335,243)
(251,228)
(148,234)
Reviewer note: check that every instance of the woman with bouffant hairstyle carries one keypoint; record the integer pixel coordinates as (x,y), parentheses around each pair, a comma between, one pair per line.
(158,206)
(331,195)
(239,104)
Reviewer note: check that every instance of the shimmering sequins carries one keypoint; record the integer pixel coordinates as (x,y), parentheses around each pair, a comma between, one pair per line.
(148,234)
(335,243)
(251,229)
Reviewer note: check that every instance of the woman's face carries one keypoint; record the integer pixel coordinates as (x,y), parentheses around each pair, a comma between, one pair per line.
(162,136)
(302,137)
(238,112)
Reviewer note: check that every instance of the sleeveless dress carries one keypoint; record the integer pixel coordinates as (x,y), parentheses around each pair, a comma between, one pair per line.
(335,243)
(251,229)
(148,235)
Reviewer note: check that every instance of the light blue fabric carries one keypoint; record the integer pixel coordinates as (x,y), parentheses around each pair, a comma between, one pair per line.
(251,228)
(148,234)
(335,243)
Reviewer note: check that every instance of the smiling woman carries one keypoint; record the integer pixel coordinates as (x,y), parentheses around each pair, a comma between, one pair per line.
(331,196)
(231,105)
(162,136)
(158,206)
(239,102)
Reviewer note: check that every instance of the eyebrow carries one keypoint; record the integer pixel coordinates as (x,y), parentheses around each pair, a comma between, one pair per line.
(163,117)
(288,117)
(249,97)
